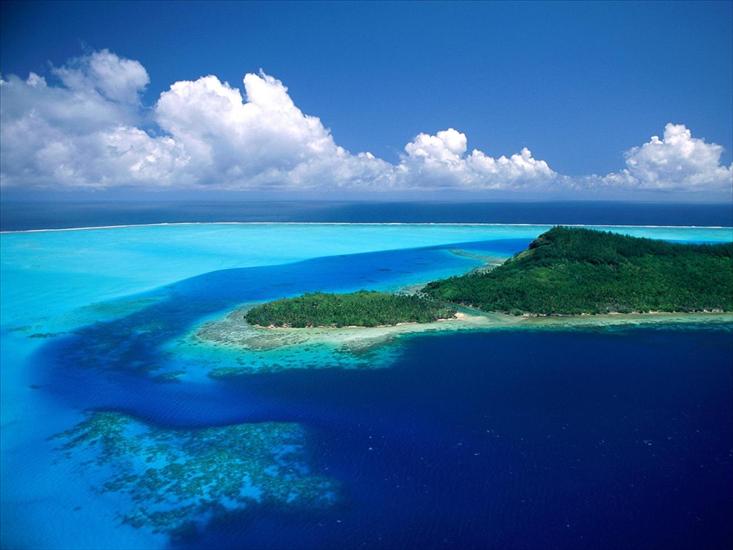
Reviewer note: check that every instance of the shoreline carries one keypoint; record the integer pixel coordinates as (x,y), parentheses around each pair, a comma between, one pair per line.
(312,327)
(455,224)
(235,333)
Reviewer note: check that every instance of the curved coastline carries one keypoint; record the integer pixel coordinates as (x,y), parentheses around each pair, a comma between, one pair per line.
(233,332)
(596,262)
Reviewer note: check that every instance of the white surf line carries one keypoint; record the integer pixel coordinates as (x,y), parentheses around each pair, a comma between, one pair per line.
(445,224)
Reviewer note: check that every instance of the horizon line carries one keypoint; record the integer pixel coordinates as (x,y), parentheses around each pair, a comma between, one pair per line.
(459,224)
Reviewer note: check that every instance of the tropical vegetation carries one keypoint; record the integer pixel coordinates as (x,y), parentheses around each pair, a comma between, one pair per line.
(573,270)
(363,308)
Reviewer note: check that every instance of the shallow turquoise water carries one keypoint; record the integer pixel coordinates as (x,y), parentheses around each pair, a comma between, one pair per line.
(95,281)
(48,275)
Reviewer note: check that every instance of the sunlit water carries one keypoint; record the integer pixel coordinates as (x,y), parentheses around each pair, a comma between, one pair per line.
(602,438)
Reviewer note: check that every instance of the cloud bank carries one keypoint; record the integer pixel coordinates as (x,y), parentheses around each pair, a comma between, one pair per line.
(90,130)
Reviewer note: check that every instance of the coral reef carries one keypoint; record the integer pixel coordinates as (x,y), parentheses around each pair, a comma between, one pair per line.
(179,478)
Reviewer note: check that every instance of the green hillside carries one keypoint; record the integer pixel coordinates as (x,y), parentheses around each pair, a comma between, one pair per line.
(571,271)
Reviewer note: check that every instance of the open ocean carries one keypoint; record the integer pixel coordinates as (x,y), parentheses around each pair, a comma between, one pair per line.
(116,431)
(15,215)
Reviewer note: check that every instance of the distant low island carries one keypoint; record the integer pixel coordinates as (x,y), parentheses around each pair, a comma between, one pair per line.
(565,271)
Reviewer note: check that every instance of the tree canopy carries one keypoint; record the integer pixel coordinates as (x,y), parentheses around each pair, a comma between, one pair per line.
(363,308)
(573,270)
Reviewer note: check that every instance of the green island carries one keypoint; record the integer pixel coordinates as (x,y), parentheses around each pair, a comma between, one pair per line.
(359,309)
(570,271)
(565,271)
(568,278)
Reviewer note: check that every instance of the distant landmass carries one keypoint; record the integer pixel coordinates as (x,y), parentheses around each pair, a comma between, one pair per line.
(565,271)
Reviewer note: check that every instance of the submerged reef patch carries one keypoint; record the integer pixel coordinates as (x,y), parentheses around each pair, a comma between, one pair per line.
(178,479)
(231,346)
(246,349)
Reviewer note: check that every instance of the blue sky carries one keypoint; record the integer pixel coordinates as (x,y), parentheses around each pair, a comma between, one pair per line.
(577,84)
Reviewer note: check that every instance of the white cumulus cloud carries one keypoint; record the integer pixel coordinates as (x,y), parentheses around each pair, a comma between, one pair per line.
(263,140)
(677,161)
(441,159)
(115,78)
(85,126)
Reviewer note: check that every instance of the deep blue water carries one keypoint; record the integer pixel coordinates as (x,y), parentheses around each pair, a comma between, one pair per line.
(16,215)
(606,439)
(507,439)
(521,439)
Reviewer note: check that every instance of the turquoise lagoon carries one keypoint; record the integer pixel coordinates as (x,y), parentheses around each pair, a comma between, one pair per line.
(102,387)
